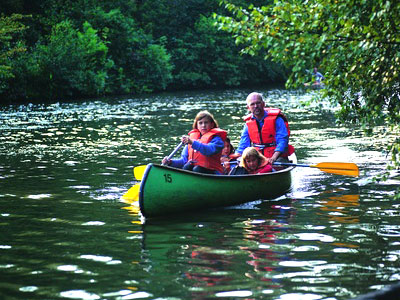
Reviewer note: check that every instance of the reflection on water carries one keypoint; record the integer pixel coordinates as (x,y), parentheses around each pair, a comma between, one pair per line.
(66,234)
(338,208)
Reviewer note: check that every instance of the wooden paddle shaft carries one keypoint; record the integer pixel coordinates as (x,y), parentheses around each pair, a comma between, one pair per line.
(175,150)
(290,164)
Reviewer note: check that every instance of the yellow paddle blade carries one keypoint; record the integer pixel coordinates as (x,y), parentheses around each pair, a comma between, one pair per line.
(338,168)
(132,194)
(139,171)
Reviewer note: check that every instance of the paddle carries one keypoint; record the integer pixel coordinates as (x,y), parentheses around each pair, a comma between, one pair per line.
(138,171)
(175,150)
(132,194)
(338,168)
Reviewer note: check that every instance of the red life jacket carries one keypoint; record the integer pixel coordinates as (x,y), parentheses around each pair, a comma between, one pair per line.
(212,162)
(263,168)
(264,139)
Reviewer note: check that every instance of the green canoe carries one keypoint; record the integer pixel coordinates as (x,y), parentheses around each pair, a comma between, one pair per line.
(165,190)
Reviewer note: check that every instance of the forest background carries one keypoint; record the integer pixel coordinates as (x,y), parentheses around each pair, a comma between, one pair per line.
(60,49)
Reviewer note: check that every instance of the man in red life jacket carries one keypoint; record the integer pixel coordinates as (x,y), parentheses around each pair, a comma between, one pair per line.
(265,129)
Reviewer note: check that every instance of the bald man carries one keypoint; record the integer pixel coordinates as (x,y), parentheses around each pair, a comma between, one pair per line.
(265,129)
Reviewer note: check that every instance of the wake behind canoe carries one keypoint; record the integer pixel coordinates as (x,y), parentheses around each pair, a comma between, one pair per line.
(165,190)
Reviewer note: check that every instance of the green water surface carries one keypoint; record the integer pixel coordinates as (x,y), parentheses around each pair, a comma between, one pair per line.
(66,233)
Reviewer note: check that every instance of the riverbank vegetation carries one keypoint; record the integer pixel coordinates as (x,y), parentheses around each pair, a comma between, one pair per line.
(58,49)
(355,43)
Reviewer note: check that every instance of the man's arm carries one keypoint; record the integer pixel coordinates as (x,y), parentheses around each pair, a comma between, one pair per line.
(281,135)
(244,141)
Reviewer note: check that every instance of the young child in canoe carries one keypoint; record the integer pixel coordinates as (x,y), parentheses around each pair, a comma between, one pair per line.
(204,145)
(228,156)
(253,162)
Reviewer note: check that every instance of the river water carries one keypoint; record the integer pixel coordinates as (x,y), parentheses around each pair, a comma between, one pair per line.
(66,233)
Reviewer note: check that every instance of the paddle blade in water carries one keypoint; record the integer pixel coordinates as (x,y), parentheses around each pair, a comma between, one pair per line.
(132,194)
(139,171)
(338,168)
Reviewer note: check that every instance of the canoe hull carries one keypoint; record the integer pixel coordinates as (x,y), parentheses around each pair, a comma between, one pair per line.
(165,190)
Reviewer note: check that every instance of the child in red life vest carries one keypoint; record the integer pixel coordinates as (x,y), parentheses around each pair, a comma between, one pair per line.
(228,156)
(254,162)
(204,145)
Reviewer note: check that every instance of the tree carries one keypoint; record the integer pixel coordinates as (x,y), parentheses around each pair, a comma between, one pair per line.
(141,64)
(202,56)
(67,63)
(66,58)
(10,27)
(355,43)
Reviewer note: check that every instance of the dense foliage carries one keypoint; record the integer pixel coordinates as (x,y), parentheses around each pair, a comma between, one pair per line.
(11,27)
(355,43)
(54,49)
